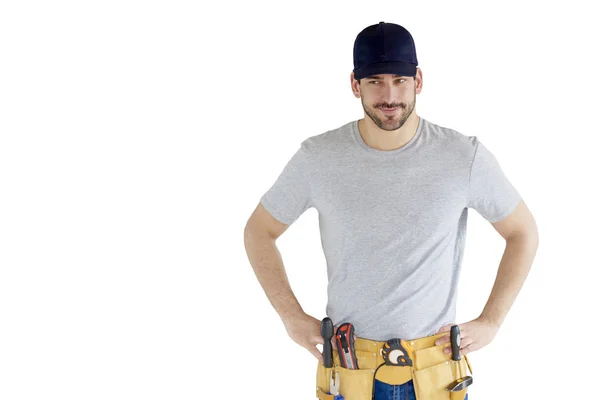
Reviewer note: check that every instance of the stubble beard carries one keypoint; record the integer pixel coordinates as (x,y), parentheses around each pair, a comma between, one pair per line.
(390,122)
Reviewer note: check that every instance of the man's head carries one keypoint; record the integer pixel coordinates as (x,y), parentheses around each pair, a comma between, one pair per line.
(380,92)
(385,74)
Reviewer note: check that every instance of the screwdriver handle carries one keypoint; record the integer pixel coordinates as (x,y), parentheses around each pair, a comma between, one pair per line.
(327,334)
(455,341)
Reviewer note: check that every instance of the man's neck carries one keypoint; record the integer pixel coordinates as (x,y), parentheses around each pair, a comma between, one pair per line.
(380,139)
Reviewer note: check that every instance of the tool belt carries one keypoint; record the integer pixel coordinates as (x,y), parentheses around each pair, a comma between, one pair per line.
(432,371)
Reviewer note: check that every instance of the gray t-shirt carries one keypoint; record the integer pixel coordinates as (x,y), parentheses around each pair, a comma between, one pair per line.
(393,223)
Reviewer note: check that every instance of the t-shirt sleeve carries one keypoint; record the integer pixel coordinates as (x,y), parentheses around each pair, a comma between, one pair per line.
(290,196)
(491,194)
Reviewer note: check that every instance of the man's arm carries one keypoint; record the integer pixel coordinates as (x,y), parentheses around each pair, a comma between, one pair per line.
(520,232)
(260,234)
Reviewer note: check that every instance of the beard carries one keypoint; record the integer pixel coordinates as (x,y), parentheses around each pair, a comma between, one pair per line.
(390,122)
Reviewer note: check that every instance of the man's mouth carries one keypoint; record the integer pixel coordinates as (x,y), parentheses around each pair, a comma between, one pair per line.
(389,110)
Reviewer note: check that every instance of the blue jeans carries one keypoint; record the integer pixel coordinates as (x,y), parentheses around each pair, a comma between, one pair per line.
(406,391)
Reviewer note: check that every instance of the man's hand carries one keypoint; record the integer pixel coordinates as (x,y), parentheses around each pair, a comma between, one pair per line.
(474,335)
(306,331)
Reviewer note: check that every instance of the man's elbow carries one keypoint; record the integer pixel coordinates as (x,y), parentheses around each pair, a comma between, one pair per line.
(527,237)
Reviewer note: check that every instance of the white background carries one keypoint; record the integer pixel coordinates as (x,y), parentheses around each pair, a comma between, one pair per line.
(138,137)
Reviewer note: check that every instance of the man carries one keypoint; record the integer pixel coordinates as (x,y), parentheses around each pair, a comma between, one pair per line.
(392,191)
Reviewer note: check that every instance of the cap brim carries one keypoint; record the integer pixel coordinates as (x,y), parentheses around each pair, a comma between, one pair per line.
(387,67)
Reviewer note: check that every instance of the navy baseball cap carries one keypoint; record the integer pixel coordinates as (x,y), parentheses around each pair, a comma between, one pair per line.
(384,48)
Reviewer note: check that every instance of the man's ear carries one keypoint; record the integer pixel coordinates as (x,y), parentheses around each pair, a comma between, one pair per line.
(355,85)
(419,81)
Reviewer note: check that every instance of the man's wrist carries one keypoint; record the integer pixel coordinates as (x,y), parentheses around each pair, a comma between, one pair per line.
(291,314)
(490,320)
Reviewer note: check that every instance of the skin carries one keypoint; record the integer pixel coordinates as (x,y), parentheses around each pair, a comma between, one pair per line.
(381,130)
(389,132)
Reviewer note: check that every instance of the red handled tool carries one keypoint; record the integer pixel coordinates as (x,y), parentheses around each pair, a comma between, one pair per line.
(344,339)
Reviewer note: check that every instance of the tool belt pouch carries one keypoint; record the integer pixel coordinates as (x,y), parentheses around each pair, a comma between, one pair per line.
(433,371)
(355,384)
(323,375)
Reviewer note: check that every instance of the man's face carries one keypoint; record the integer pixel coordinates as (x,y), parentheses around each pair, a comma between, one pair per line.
(388,91)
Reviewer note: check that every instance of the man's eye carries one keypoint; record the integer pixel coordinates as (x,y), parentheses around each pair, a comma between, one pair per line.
(401,79)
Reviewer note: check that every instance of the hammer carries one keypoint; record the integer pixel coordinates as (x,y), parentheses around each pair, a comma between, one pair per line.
(460,383)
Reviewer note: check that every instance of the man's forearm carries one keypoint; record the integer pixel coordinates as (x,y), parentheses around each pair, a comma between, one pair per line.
(515,265)
(269,269)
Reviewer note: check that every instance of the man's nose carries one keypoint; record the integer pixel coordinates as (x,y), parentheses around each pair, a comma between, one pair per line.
(388,94)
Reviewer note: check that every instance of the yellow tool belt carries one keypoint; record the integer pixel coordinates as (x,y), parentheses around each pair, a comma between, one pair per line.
(432,371)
